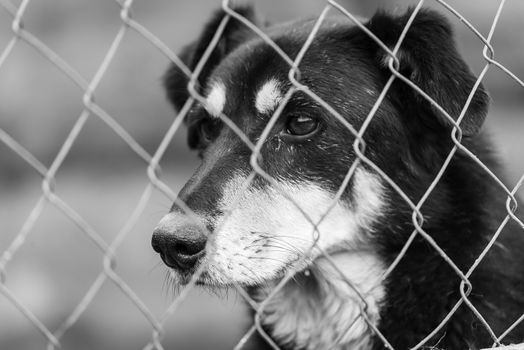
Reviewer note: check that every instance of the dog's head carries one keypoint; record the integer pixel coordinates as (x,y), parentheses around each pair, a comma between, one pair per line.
(249,229)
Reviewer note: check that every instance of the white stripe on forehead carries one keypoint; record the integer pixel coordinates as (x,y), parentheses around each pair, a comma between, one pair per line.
(216,99)
(268,97)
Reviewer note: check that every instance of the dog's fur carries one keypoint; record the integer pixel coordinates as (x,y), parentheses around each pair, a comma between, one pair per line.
(256,233)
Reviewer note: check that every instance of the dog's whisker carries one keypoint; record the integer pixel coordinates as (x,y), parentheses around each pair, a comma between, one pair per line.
(269,235)
(275,247)
(283,248)
(279,241)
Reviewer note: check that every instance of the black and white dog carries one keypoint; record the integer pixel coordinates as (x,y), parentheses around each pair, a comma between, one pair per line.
(252,236)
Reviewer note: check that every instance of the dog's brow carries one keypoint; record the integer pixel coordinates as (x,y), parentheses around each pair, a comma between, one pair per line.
(216,99)
(268,97)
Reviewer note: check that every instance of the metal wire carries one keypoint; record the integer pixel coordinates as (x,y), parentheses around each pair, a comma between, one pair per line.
(108,273)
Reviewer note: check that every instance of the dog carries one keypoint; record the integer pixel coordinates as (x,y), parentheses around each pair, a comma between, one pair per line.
(239,229)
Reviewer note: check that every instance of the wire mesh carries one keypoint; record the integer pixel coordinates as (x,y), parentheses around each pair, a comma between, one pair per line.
(91,109)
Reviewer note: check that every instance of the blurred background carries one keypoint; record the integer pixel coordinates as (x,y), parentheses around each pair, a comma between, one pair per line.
(103,179)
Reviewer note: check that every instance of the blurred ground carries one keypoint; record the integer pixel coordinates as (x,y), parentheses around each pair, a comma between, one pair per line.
(103,180)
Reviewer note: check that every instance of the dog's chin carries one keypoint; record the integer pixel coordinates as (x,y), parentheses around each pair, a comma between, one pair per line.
(210,281)
(303,272)
(207,281)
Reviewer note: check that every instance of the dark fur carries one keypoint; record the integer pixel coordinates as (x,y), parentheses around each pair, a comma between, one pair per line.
(408,139)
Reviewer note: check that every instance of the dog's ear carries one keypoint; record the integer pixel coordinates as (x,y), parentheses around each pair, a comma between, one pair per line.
(429,58)
(175,81)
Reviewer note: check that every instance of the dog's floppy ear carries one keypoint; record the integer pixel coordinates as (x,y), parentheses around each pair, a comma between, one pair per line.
(175,81)
(429,58)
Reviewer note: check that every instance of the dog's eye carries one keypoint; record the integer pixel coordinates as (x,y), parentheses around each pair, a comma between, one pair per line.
(208,130)
(301,126)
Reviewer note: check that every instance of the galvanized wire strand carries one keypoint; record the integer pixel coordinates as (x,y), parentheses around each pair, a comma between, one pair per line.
(126,17)
(440,174)
(368,32)
(293,73)
(8,255)
(464,294)
(79,309)
(259,170)
(226,7)
(490,60)
(187,288)
(488,51)
(20,32)
(256,167)
(487,48)
(195,95)
(10,9)
(162,147)
(510,213)
(192,89)
(29,315)
(109,261)
(465,280)
(72,74)
(7,50)
(109,264)
(27,156)
(49,175)
(510,195)
(394,71)
(509,329)
(359,144)
(37,210)
(193,81)
(20,237)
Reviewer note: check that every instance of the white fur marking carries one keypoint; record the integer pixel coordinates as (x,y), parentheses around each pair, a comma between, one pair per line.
(243,246)
(329,318)
(216,99)
(268,97)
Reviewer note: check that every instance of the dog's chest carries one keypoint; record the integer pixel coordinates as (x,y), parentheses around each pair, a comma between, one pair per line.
(330,317)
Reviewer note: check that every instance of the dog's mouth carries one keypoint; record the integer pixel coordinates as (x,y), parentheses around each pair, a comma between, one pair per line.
(301,269)
(205,274)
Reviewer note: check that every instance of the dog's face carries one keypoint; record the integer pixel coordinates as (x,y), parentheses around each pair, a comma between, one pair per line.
(246,228)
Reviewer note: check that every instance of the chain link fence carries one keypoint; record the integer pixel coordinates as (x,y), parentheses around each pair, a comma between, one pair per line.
(151,161)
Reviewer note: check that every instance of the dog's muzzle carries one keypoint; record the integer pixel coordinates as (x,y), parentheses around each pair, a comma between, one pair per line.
(180,242)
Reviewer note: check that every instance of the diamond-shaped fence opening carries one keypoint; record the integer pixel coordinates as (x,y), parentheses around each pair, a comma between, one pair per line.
(92,175)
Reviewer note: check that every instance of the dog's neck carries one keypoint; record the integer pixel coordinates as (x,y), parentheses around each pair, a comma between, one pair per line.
(319,309)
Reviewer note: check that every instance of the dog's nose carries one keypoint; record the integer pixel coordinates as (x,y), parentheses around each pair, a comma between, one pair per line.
(180,248)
